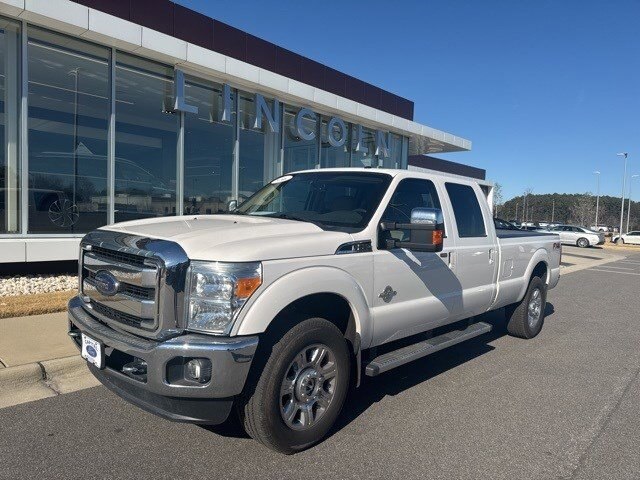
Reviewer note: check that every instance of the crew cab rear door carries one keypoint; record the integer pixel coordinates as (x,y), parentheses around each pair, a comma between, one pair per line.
(476,246)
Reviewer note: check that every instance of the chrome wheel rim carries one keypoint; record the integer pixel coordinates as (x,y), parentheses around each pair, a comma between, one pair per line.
(308,387)
(535,308)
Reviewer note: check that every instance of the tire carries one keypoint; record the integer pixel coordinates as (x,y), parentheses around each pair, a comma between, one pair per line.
(621,241)
(518,324)
(263,409)
(582,242)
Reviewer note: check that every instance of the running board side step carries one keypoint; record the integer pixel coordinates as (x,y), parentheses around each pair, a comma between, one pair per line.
(395,358)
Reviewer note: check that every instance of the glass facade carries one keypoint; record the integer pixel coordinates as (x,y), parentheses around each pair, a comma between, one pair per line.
(335,152)
(146,140)
(363,147)
(9,114)
(208,150)
(107,136)
(259,148)
(68,129)
(299,154)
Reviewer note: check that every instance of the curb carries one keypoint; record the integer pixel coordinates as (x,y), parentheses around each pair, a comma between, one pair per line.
(48,378)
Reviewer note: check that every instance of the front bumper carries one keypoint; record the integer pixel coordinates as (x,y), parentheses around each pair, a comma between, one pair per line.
(160,391)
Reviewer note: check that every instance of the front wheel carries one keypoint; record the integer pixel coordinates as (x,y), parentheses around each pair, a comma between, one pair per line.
(525,319)
(621,241)
(583,242)
(301,390)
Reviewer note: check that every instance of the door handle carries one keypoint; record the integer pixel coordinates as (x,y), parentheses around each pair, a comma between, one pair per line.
(491,259)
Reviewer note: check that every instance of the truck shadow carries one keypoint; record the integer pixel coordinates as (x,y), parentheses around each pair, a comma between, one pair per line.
(373,390)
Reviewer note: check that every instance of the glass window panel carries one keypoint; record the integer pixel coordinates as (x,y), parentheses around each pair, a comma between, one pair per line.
(411,193)
(466,210)
(259,149)
(68,122)
(365,155)
(208,150)
(335,156)
(299,154)
(394,160)
(146,139)
(9,105)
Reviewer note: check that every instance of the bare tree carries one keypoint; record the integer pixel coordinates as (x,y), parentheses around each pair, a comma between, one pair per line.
(583,209)
(498,200)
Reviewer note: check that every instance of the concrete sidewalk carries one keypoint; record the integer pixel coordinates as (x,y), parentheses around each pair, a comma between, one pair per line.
(26,340)
(38,359)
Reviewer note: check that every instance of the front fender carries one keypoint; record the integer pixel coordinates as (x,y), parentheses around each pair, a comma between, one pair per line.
(300,283)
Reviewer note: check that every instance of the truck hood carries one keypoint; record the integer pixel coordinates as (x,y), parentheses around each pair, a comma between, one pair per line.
(238,238)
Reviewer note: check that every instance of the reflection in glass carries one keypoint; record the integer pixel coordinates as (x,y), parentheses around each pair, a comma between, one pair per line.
(68,121)
(299,154)
(146,140)
(335,157)
(394,160)
(363,155)
(259,149)
(208,150)
(9,103)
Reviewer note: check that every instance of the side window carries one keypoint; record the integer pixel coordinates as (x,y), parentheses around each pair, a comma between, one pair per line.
(410,193)
(466,210)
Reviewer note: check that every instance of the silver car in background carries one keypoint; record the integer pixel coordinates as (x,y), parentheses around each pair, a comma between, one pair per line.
(580,236)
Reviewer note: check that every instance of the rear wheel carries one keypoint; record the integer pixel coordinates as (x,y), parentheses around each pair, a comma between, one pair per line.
(525,319)
(301,390)
(583,242)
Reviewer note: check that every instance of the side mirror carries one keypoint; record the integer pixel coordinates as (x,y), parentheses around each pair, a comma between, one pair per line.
(426,231)
(232,205)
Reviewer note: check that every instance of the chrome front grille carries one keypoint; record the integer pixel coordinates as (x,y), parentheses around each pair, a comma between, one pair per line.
(147,277)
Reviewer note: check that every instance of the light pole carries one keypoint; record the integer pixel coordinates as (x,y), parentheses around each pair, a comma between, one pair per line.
(597,195)
(629,208)
(624,179)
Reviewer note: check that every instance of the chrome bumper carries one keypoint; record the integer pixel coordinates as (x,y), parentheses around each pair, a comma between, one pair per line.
(160,392)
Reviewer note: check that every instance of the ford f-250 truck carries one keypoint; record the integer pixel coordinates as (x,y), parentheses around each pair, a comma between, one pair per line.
(275,309)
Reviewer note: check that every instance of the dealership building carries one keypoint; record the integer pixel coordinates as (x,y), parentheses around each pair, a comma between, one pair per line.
(114,110)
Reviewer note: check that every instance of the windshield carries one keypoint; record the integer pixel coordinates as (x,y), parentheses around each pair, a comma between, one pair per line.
(342,201)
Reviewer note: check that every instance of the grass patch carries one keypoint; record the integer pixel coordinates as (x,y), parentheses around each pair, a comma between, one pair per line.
(37,304)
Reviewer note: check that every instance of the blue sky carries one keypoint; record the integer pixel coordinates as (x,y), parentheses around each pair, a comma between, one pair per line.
(547,90)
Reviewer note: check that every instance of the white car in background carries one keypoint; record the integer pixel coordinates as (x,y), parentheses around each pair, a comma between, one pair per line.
(632,238)
(580,236)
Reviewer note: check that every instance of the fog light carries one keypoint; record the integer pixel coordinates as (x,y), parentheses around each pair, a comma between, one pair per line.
(198,370)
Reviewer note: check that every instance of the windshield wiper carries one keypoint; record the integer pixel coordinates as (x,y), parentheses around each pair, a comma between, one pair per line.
(286,216)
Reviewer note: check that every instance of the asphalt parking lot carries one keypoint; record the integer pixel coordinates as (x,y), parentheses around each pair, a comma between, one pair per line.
(563,405)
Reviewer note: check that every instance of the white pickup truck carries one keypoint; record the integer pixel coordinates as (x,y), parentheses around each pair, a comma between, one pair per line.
(278,307)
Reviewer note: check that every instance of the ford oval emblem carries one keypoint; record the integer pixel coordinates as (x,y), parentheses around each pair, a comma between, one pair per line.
(92,351)
(106,283)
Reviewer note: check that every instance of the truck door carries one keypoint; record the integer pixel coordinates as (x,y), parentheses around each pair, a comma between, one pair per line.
(476,246)
(413,291)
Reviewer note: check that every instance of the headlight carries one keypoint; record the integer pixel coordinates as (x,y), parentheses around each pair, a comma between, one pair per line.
(217,291)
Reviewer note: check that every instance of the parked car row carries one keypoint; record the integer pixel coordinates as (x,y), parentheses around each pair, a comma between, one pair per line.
(569,234)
